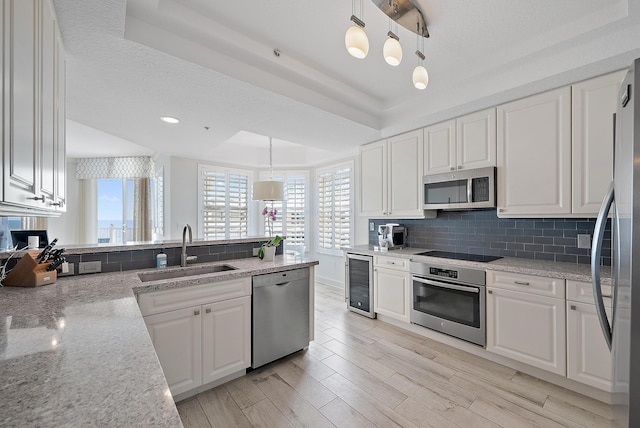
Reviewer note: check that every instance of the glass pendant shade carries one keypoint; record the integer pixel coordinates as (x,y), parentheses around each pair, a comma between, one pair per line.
(356,42)
(268,191)
(420,77)
(392,51)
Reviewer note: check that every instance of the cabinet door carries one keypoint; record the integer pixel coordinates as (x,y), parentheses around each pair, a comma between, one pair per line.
(476,139)
(405,174)
(177,339)
(373,179)
(594,102)
(226,338)
(527,328)
(534,155)
(588,356)
(391,293)
(61,121)
(440,148)
(21,133)
(48,152)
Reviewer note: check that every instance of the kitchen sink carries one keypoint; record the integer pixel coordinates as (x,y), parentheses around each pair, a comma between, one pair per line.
(183,272)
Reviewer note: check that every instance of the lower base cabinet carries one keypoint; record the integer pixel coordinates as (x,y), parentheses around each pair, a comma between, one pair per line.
(527,327)
(589,359)
(205,341)
(392,287)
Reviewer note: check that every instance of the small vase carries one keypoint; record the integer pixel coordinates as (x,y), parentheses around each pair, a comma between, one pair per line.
(269,254)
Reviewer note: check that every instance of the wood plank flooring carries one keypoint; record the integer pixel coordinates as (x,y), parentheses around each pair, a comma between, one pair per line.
(366,373)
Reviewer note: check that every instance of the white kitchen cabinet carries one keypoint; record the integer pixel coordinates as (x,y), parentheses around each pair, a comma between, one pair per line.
(201,333)
(593,103)
(177,339)
(534,155)
(464,143)
(588,357)
(391,176)
(32,143)
(527,326)
(226,338)
(392,287)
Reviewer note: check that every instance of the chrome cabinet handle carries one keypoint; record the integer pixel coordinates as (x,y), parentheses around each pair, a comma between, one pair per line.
(196,312)
(490,291)
(208,310)
(573,307)
(521,282)
(460,167)
(452,169)
(36,198)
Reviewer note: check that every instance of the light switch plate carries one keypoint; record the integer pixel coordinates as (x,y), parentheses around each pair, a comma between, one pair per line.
(372,226)
(584,241)
(70,272)
(89,267)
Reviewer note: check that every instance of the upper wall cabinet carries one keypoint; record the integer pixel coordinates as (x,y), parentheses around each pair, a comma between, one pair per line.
(534,155)
(463,143)
(33,109)
(555,150)
(593,103)
(390,177)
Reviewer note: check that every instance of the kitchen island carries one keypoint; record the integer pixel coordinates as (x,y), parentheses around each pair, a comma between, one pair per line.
(77,352)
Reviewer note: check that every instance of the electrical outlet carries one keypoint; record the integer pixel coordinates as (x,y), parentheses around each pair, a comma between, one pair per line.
(584,241)
(70,272)
(89,267)
(372,226)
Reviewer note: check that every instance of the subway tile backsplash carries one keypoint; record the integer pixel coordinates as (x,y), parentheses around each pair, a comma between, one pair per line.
(482,232)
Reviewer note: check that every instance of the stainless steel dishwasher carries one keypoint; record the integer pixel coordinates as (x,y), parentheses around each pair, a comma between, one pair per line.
(280,320)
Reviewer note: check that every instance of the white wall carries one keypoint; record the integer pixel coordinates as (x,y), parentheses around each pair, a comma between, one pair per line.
(66,227)
(183,191)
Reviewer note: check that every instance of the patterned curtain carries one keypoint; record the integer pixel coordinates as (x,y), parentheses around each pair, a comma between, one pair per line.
(122,167)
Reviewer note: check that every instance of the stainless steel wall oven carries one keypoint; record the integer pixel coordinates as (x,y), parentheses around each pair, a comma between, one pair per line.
(450,300)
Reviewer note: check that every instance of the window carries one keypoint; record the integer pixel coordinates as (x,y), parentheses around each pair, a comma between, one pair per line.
(223,202)
(115,210)
(335,207)
(292,211)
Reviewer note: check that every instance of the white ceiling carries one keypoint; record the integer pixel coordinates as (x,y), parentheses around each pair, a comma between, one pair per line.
(211,64)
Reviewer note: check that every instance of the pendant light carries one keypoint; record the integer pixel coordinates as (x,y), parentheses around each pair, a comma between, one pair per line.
(420,75)
(392,50)
(268,190)
(356,40)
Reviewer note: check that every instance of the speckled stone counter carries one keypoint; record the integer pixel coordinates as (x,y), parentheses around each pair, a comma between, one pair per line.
(77,352)
(572,271)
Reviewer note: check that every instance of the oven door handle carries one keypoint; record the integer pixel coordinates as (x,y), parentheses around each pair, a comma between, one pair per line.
(445,285)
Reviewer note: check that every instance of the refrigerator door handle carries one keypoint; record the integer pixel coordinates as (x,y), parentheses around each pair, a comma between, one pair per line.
(598,234)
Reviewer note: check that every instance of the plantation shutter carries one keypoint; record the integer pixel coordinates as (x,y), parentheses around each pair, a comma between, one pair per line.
(325,210)
(342,208)
(225,208)
(291,217)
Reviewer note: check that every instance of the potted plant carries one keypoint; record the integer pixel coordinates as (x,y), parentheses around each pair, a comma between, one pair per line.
(268,250)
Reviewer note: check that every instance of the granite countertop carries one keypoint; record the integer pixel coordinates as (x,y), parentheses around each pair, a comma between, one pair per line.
(571,271)
(77,352)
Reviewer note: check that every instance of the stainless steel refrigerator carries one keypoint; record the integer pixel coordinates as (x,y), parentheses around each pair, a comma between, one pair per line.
(622,332)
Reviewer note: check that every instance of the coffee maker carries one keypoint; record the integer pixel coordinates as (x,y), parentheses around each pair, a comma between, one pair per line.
(392,236)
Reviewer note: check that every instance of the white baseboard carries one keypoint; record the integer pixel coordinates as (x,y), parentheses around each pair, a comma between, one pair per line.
(329,281)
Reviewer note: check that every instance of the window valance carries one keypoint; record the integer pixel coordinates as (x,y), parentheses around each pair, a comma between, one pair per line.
(118,167)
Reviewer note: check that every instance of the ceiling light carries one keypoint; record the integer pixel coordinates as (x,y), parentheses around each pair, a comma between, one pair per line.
(356,40)
(170,119)
(269,190)
(420,75)
(392,50)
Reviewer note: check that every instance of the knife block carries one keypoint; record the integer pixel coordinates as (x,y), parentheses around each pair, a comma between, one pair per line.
(29,273)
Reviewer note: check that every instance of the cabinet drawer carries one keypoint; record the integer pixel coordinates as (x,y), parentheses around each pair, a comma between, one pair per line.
(391,262)
(578,291)
(540,285)
(167,300)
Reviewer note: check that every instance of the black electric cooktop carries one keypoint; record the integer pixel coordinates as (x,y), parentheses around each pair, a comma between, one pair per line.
(460,256)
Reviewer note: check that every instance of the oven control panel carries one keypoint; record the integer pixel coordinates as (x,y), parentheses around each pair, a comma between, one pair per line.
(443,272)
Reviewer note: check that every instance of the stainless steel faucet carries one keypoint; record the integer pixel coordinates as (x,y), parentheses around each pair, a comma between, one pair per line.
(184,258)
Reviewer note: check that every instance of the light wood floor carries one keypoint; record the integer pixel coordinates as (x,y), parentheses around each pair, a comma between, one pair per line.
(364,373)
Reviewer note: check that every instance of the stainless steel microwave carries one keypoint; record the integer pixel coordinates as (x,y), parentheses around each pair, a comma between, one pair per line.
(473,188)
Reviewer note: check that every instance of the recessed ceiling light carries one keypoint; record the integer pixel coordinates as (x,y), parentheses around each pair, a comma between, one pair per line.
(170,119)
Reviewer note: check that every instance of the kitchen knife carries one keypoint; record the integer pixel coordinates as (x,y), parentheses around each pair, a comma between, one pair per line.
(43,254)
(56,263)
